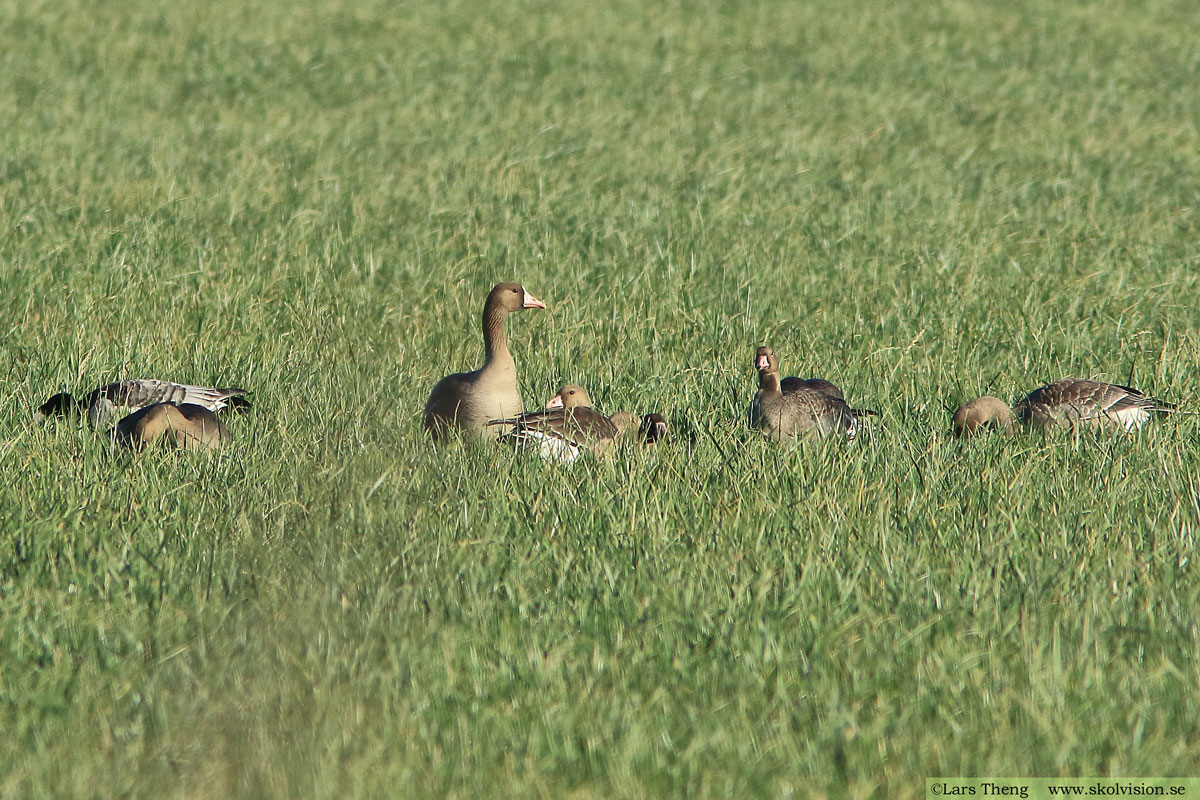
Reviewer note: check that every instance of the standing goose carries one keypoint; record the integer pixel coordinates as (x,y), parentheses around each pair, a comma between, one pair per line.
(118,399)
(469,400)
(1073,402)
(565,428)
(184,425)
(813,406)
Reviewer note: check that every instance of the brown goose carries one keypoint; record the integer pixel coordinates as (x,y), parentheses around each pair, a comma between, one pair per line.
(565,428)
(184,425)
(813,406)
(789,385)
(1073,402)
(117,399)
(467,401)
(650,429)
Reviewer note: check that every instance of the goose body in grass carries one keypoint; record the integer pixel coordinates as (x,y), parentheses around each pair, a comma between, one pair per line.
(1069,403)
(565,428)
(569,426)
(468,401)
(647,430)
(650,429)
(114,400)
(806,407)
(185,426)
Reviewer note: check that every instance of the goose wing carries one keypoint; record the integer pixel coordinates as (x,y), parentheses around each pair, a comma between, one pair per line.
(1077,400)
(147,391)
(790,385)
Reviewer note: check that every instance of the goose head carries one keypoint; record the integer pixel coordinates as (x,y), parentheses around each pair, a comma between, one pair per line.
(653,428)
(570,396)
(59,405)
(980,413)
(765,360)
(511,297)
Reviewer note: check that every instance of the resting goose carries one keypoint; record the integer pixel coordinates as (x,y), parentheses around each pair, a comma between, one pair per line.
(184,425)
(1063,404)
(565,428)
(117,399)
(813,406)
(650,429)
(467,401)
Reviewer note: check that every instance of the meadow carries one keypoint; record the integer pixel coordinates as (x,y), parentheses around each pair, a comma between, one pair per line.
(921,201)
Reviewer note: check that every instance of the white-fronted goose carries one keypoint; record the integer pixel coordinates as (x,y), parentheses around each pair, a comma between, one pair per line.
(117,399)
(565,428)
(185,425)
(650,429)
(469,400)
(1063,404)
(809,407)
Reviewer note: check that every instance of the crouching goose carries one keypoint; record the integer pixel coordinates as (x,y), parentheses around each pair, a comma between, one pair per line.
(468,401)
(650,429)
(793,407)
(565,428)
(184,425)
(117,399)
(1073,402)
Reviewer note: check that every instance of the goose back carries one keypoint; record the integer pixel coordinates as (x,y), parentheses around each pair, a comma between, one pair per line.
(1080,402)
(565,428)
(789,385)
(117,399)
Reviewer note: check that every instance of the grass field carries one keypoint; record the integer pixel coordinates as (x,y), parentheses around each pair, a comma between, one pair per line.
(919,201)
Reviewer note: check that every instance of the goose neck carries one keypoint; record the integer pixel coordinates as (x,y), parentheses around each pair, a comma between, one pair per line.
(768,381)
(495,343)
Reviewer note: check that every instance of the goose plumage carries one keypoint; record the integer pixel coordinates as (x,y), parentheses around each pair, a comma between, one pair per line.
(811,406)
(186,426)
(650,429)
(468,401)
(1069,403)
(113,400)
(565,428)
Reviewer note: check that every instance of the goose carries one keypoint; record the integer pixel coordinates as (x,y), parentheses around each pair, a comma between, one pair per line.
(650,429)
(117,399)
(1072,402)
(467,401)
(566,427)
(186,426)
(808,406)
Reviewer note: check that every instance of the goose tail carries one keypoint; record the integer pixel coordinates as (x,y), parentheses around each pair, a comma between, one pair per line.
(1162,406)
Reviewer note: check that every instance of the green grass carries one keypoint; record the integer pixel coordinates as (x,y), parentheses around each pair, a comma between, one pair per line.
(920,201)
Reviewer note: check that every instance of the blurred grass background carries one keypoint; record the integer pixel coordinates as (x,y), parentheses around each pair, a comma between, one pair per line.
(919,201)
